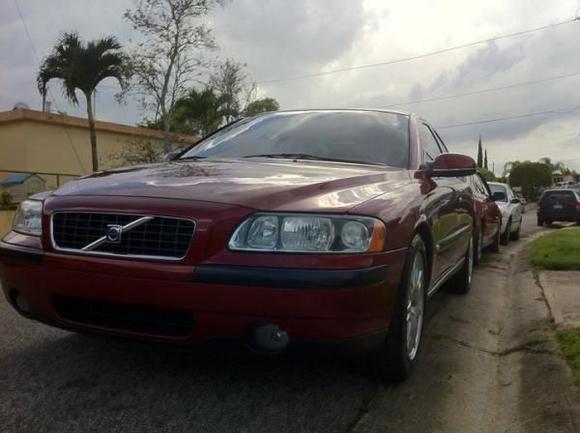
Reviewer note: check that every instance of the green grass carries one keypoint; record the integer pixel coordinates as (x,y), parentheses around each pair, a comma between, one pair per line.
(570,344)
(559,250)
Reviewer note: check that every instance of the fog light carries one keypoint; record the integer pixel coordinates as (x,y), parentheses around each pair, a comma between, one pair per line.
(21,303)
(270,338)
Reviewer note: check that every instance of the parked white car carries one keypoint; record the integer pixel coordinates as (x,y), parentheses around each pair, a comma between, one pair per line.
(511,211)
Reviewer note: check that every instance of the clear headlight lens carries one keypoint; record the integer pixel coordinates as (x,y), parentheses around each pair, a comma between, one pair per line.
(306,233)
(309,234)
(263,233)
(28,218)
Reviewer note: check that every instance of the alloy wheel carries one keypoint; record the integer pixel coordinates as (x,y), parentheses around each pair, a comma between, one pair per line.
(470,261)
(415,305)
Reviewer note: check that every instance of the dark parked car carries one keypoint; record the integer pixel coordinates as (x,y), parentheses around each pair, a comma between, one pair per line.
(288,227)
(488,217)
(558,205)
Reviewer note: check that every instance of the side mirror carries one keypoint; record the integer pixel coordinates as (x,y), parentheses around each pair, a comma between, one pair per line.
(499,196)
(515,201)
(170,156)
(451,165)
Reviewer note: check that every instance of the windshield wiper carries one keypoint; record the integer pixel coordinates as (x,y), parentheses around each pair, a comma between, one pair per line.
(308,157)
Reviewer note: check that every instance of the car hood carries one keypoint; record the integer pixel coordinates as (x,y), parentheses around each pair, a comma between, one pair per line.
(264,185)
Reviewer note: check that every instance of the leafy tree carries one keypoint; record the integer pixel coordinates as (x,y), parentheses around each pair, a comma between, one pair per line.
(230,82)
(142,151)
(479,154)
(487,174)
(531,177)
(261,106)
(165,62)
(82,67)
(555,165)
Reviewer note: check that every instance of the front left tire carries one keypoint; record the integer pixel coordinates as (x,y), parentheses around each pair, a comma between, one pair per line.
(478,254)
(494,248)
(460,283)
(505,236)
(516,235)
(394,361)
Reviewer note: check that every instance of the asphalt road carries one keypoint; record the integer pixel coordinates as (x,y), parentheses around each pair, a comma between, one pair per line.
(488,363)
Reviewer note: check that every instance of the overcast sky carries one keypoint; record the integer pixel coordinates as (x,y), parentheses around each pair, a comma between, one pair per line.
(281,38)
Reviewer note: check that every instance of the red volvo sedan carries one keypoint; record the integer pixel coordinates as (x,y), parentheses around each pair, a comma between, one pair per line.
(303,226)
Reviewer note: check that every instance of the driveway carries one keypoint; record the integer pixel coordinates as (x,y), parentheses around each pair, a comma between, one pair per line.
(488,364)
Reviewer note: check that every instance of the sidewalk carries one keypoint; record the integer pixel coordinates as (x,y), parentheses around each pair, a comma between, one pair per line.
(562,290)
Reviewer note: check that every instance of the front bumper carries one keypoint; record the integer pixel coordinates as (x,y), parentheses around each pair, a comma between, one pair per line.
(223,301)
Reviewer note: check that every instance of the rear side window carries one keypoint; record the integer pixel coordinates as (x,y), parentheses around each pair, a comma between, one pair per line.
(429,144)
(498,188)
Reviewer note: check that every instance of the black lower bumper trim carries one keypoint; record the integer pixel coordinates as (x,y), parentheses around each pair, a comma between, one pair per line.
(290,277)
(20,253)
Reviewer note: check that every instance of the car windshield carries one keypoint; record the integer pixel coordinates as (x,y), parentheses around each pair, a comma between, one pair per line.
(367,137)
(498,188)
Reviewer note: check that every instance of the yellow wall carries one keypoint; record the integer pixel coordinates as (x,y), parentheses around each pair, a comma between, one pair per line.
(31,146)
(34,146)
(5,221)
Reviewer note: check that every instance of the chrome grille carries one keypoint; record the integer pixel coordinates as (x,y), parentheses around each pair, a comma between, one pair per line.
(158,237)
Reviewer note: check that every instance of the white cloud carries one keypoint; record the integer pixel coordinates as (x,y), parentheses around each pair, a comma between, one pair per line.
(278,38)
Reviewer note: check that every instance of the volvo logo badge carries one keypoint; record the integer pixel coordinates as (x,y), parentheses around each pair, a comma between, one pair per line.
(114,233)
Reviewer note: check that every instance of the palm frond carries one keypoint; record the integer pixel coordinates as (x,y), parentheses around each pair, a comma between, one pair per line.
(82,66)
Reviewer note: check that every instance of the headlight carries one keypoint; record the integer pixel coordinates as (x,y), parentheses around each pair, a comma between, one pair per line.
(28,218)
(309,234)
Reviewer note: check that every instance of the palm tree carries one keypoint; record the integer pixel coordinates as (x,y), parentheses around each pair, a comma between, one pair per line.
(83,66)
(198,111)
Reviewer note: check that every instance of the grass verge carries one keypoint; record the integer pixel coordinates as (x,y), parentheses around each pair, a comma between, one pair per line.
(570,344)
(559,250)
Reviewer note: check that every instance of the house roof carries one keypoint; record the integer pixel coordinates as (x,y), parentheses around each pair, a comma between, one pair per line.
(79,122)
(16,179)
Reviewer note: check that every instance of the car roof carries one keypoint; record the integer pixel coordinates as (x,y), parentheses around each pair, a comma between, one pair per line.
(560,190)
(330,110)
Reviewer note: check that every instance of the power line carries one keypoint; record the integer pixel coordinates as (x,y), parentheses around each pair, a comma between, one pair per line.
(36,58)
(519,116)
(418,56)
(482,91)
(26,30)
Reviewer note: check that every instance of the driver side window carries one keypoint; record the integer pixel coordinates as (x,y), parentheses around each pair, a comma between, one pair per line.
(429,144)
(482,186)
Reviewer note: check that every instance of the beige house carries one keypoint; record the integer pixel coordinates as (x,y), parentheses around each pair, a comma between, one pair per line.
(56,147)
(22,185)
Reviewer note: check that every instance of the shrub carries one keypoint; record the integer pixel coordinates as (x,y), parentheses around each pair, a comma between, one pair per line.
(5,199)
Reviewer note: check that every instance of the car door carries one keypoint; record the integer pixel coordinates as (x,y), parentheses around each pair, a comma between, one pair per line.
(515,208)
(442,205)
